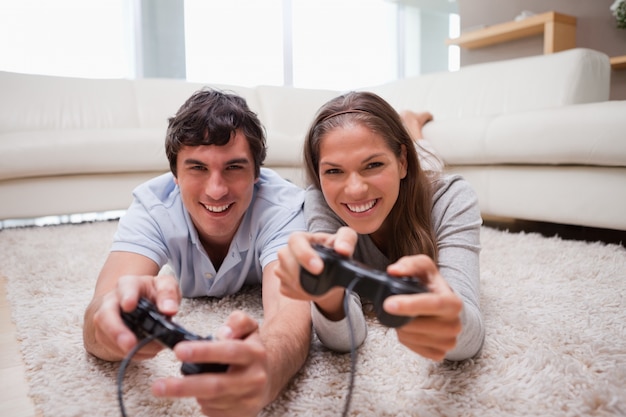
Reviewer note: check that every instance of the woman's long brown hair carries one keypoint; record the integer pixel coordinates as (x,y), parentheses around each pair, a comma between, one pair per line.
(410,217)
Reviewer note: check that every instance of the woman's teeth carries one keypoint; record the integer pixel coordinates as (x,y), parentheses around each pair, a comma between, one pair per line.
(360,208)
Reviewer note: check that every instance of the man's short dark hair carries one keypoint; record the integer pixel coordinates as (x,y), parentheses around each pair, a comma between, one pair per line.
(210,117)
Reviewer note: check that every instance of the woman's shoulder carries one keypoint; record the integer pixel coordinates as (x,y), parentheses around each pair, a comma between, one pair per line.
(453,195)
(449,185)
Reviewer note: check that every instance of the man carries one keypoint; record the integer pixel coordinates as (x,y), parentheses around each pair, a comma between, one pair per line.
(217,220)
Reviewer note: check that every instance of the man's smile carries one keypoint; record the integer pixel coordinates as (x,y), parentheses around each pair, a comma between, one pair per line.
(217,208)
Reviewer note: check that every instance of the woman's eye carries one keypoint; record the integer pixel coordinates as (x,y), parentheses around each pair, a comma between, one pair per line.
(374,165)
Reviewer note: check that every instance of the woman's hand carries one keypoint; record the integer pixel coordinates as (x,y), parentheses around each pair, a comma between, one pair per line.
(437,323)
(300,253)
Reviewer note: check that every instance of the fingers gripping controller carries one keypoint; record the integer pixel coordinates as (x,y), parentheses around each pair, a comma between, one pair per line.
(146,321)
(372,284)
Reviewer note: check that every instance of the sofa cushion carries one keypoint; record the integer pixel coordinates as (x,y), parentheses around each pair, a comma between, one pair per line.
(81,151)
(582,134)
(539,82)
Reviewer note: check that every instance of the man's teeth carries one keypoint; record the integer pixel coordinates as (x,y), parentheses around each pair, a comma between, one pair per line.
(216,209)
(360,208)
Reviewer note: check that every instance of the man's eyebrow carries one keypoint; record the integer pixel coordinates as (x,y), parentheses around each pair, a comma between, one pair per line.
(191,161)
(238,161)
(242,161)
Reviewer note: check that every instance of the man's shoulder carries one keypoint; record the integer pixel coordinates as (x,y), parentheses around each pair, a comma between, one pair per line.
(273,190)
(158,191)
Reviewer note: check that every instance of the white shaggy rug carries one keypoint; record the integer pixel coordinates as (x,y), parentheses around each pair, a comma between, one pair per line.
(554,310)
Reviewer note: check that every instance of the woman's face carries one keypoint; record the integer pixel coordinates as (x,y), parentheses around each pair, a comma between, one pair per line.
(360,176)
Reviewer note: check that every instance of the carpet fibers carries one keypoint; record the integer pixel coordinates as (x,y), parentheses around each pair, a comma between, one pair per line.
(555,346)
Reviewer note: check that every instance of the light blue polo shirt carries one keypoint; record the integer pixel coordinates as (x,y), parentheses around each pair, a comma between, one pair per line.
(158,226)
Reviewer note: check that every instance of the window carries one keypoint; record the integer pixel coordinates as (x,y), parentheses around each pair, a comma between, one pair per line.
(234,42)
(344,44)
(331,44)
(67,37)
(454,51)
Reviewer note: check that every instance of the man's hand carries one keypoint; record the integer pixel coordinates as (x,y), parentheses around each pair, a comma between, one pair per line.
(243,390)
(104,333)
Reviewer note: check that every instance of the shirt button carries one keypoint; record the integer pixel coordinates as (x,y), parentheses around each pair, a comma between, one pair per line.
(208,275)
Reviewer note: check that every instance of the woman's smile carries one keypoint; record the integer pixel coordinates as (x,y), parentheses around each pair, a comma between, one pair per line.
(361,207)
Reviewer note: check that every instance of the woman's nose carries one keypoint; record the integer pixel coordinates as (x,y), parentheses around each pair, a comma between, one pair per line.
(355,186)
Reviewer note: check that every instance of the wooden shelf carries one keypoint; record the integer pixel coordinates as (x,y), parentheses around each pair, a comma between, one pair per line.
(559,32)
(618,62)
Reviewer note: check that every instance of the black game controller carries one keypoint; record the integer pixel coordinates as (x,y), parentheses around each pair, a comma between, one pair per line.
(146,321)
(372,284)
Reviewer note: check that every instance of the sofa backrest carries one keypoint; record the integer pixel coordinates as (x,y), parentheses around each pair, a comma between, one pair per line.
(82,119)
(41,102)
(574,76)
(159,99)
(287,114)
(89,125)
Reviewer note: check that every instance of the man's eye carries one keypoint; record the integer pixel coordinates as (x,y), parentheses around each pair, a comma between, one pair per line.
(332,171)
(198,168)
(234,167)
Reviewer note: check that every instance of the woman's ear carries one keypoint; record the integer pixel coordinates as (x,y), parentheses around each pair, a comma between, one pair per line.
(403,162)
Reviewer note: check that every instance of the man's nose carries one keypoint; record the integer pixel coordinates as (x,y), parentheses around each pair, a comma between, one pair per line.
(216,187)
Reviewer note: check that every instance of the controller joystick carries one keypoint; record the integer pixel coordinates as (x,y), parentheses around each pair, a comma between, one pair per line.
(147,321)
(371,283)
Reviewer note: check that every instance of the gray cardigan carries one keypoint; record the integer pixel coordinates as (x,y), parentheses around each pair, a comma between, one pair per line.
(457,222)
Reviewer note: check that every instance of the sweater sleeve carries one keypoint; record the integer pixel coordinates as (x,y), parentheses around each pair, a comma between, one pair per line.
(334,335)
(457,223)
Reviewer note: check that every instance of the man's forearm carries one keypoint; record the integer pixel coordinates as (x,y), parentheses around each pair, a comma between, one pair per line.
(287,342)
(89,336)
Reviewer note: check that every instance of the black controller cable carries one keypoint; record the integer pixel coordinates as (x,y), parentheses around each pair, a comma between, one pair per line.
(124,365)
(353,355)
(353,350)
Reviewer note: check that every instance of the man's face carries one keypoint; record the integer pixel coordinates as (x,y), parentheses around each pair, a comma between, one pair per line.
(216,185)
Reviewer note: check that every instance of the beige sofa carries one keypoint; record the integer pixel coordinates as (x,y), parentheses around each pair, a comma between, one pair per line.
(537,137)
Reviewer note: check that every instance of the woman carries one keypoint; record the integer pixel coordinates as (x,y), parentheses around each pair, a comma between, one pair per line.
(370,198)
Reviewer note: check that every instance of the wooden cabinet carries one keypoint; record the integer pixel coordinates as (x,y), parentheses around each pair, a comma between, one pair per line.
(618,62)
(559,32)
